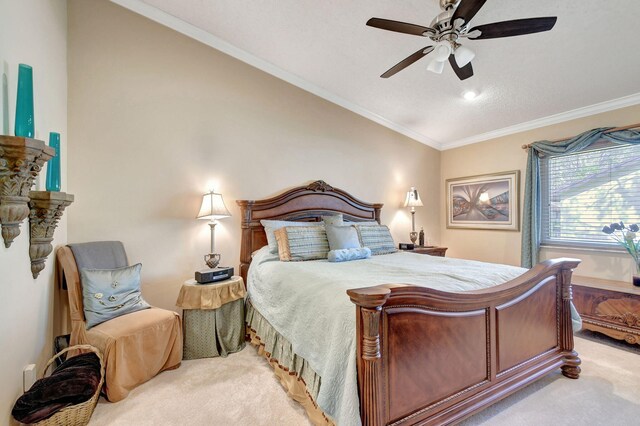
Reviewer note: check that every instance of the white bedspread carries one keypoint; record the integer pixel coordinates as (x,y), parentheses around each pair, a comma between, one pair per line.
(307,303)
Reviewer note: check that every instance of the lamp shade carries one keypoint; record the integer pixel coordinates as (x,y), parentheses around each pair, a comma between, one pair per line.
(413,198)
(463,56)
(441,52)
(436,66)
(213,207)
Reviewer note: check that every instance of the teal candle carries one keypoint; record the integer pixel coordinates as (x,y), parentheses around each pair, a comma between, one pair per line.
(25,123)
(53,165)
(5,104)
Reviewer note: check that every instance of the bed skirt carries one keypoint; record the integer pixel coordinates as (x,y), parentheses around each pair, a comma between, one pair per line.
(293,371)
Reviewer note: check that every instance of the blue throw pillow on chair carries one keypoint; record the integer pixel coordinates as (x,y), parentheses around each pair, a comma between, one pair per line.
(110,293)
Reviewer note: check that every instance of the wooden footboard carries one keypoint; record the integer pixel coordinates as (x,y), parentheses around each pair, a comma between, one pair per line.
(432,357)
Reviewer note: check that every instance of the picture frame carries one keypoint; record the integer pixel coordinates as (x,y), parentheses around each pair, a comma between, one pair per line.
(488,202)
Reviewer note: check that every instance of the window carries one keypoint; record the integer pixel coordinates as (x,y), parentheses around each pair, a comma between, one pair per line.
(582,192)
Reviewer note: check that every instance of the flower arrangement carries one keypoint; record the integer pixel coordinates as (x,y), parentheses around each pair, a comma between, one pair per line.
(627,237)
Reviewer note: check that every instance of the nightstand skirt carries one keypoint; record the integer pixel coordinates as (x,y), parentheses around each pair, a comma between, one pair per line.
(214,332)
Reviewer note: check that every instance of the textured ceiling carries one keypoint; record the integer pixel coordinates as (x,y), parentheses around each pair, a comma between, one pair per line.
(591,56)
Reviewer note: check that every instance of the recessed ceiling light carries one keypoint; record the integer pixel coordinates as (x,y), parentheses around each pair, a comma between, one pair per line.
(469,95)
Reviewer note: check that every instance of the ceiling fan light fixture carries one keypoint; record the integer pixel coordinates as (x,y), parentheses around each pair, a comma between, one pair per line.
(441,52)
(450,26)
(436,66)
(464,55)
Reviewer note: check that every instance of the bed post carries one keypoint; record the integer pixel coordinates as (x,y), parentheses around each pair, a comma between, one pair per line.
(571,368)
(245,246)
(369,303)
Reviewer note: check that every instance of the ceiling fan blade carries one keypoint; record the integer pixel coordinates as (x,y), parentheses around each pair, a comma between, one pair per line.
(514,28)
(467,9)
(462,73)
(399,27)
(407,61)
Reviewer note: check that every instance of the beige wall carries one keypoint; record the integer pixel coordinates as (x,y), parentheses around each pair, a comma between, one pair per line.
(155,117)
(503,154)
(27,305)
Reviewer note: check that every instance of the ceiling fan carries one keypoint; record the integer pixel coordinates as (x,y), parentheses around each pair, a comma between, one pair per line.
(452,25)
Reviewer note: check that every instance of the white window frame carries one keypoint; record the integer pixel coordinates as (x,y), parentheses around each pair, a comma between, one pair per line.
(587,245)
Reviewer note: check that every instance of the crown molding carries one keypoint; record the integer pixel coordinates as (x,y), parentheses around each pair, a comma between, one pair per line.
(176,24)
(598,108)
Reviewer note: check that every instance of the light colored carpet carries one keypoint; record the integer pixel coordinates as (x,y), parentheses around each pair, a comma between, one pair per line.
(242,390)
(238,390)
(607,393)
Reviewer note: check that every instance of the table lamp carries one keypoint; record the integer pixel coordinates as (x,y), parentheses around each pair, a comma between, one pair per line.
(413,200)
(212,208)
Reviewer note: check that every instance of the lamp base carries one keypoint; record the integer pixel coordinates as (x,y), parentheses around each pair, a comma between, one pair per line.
(212,260)
(413,236)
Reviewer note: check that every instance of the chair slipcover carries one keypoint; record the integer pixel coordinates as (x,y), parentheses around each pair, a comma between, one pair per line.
(135,346)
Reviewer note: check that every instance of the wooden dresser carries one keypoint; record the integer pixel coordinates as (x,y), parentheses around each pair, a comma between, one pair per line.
(608,307)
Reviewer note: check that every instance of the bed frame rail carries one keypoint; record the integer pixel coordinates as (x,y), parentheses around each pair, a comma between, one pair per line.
(431,357)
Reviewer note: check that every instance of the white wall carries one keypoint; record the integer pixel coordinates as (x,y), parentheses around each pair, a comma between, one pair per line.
(505,153)
(154,117)
(33,32)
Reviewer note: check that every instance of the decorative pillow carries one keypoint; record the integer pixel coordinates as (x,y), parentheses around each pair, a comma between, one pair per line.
(345,255)
(109,293)
(302,243)
(342,237)
(366,223)
(377,237)
(335,220)
(270,226)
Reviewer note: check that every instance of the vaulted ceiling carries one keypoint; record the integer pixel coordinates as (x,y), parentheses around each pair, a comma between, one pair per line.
(588,63)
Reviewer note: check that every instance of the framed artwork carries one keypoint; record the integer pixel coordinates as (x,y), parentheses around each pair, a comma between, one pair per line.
(484,202)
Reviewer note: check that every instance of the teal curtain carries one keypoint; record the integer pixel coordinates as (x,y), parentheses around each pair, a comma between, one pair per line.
(531,229)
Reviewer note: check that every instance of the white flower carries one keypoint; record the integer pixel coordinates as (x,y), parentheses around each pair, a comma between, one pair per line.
(629,236)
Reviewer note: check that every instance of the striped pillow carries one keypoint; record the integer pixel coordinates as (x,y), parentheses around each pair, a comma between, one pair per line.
(270,226)
(302,243)
(377,237)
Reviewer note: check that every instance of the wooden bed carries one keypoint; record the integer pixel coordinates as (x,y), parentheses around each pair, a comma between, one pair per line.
(430,357)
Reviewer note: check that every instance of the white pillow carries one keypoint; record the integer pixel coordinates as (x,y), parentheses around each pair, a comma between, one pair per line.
(335,220)
(342,237)
(270,227)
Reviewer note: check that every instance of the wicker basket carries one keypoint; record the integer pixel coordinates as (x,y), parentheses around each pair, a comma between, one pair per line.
(79,414)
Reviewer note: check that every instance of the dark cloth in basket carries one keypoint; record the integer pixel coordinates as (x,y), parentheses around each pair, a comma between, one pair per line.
(73,382)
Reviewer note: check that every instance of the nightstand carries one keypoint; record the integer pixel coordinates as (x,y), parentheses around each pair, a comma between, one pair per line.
(432,250)
(212,318)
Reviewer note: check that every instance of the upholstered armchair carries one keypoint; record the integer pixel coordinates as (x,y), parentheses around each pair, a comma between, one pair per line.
(135,346)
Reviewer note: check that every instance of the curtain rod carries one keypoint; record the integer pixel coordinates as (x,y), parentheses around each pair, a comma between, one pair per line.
(617,129)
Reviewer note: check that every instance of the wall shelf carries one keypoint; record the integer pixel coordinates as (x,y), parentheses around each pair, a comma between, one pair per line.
(21,159)
(46,209)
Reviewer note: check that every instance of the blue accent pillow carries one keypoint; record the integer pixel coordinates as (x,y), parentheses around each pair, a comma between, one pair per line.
(110,293)
(345,255)
(342,237)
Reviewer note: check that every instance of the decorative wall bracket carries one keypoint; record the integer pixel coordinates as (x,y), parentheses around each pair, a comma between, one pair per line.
(21,159)
(46,210)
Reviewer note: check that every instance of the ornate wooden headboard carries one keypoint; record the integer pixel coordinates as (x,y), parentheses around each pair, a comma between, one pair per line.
(304,203)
